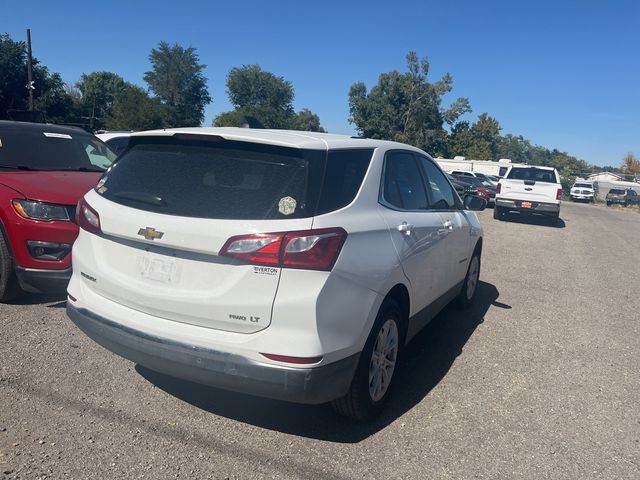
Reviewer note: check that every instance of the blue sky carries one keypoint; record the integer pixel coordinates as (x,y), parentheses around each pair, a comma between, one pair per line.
(564,74)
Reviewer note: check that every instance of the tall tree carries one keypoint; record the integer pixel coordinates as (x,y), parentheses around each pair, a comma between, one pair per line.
(515,147)
(406,107)
(49,94)
(133,109)
(306,121)
(176,78)
(486,136)
(54,100)
(98,91)
(268,98)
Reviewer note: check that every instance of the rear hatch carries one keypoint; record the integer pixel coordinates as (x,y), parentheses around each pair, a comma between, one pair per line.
(617,194)
(168,206)
(530,184)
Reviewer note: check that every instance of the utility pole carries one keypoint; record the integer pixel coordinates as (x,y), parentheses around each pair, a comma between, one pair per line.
(93,112)
(30,86)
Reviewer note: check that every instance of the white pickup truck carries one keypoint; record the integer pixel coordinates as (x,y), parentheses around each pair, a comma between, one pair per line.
(529,190)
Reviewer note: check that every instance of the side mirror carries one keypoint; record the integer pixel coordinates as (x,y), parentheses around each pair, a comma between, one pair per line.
(473,202)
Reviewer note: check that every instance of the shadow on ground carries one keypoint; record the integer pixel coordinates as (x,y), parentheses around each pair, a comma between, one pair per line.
(56,300)
(426,361)
(540,220)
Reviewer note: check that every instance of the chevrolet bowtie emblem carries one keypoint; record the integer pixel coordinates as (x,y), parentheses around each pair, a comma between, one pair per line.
(150,233)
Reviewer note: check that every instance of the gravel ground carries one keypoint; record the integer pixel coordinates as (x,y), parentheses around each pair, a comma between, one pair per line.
(539,379)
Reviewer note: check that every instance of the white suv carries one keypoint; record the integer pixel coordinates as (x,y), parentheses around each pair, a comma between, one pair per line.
(289,265)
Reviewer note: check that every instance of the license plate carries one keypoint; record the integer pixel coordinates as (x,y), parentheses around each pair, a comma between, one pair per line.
(526,204)
(158,269)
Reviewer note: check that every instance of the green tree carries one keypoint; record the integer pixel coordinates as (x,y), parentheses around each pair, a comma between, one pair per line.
(479,141)
(406,107)
(266,97)
(306,121)
(13,75)
(49,95)
(515,147)
(231,118)
(98,92)
(485,133)
(176,78)
(133,109)
(460,139)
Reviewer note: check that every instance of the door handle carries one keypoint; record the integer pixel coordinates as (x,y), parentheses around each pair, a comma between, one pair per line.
(448,225)
(405,228)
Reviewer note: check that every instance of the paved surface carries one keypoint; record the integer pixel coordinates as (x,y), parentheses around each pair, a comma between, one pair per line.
(538,380)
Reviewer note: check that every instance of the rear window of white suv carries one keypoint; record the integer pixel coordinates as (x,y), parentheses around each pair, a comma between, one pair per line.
(533,174)
(222,179)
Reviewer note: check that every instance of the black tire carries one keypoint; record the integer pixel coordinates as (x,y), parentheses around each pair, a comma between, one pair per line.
(470,286)
(9,286)
(608,204)
(359,403)
(498,213)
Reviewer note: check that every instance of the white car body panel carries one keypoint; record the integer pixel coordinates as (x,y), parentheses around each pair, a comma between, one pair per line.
(179,288)
(182,278)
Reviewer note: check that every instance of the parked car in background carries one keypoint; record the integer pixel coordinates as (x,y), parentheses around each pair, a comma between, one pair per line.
(488,178)
(117,141)
(582,191)
(622,196)
(470,174)
(529,190)
(484,188)
(462,173)
(44,171)
(462,189)
(281,264)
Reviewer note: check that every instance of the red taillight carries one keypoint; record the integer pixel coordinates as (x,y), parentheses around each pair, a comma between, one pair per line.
(87,218)
(559,194)
(295,360)
(498,187)
(316,249)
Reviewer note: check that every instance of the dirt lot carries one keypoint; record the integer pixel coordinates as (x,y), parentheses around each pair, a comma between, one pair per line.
(538,380)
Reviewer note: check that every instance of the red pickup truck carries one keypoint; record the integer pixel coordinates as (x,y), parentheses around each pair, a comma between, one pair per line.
(44,170)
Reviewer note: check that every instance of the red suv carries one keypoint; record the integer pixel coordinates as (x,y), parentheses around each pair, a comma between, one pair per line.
(44,171)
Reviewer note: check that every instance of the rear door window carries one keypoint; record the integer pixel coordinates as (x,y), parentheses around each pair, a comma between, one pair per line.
(215,179)
(403,187)
(532,174)
(440,191)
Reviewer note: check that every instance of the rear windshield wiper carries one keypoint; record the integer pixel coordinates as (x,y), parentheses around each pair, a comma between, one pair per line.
(18,167)
(80,169)
(142,198)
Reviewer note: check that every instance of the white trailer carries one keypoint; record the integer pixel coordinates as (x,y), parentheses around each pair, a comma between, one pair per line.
(487,167)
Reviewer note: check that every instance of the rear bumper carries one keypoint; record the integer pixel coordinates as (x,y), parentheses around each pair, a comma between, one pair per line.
(36,280)
(217,368)
(536,207)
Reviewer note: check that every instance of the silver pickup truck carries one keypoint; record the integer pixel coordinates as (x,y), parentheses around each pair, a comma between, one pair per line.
(529,190)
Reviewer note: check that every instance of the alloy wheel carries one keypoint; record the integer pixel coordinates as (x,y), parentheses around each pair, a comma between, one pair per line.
(383,360)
